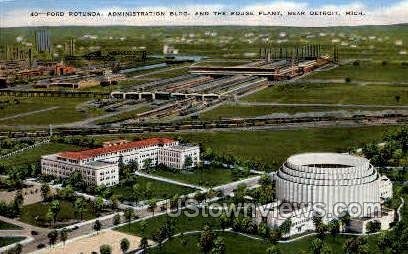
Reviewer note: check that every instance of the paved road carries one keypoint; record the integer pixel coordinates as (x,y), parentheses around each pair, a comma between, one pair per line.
(26,231)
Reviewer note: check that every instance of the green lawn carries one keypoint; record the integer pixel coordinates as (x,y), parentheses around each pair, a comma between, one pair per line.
(183,223)
(273,147)
(207,177)
(333,94)
(4,241)
(34,155)
(159,190)
(367,71)
(66,111)
(35,214)
(238,244)
(231,111)
(7,226)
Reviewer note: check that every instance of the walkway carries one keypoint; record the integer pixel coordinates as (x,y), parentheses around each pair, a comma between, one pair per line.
(167,180)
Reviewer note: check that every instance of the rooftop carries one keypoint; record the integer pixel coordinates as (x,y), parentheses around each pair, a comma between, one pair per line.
(91,153)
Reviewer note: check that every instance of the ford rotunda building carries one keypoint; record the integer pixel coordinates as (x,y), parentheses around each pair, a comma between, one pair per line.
(332,179)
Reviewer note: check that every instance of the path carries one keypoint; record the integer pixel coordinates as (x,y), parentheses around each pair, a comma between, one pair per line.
(167,180)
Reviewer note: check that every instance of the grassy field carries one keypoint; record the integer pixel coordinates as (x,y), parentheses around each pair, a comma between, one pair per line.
(66,111)
(7,226)
(34,155)
(183,223)
(273,147)
(207,177)
(366,71)
(159,190)
(4,241)
(333,94)
(35,214)
(238,244)
(231,111)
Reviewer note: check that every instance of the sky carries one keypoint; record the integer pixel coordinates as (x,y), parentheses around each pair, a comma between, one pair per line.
(16,13)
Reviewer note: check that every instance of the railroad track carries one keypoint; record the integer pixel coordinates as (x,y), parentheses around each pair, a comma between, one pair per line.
(215,124)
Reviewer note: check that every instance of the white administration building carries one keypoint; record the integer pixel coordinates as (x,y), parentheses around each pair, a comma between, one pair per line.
(330,184)
(99,166)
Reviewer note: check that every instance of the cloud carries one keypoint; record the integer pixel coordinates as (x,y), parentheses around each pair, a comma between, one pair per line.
(392,14)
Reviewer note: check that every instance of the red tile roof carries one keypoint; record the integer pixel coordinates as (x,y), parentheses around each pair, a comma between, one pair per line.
(90,153)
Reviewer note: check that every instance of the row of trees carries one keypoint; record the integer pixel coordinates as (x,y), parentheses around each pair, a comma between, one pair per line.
(221,158)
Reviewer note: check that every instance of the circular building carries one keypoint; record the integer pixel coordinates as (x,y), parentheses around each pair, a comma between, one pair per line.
(335,181)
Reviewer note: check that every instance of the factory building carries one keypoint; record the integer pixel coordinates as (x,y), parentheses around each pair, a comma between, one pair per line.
(328,184)
(99,166)
(43,41)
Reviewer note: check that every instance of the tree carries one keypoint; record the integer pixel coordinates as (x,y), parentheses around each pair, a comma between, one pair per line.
(357,245)
(97,226)
(121,166)
(265,180)
(147,164)
(188,162)
(219,246)
(373,226)
(345,219)
(54,208)
(384,242)
(116,219)
(334,227)
(274,236)
(114,200)
(273,250)
(285,226)
(152,206)
(105,249)
(98,204)
(124,245)
(45,191)
(63,235)
(143,243)
(52,237)
(206,241)
(18,202)
(316,246)
(79,207)
(129,213)
(67,192)
(148,190)
(224,221)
